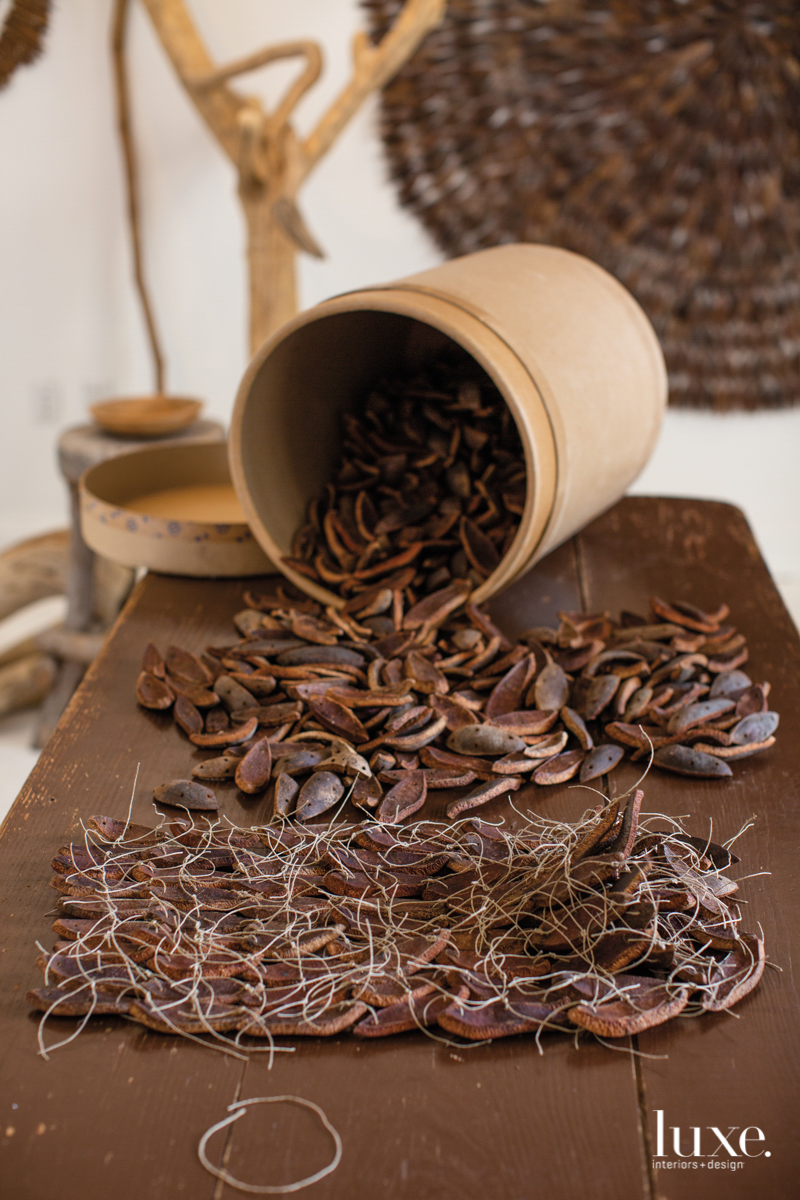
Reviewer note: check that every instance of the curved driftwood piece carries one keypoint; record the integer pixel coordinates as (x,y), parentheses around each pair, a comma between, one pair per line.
(39,567)
(71,646)
(33,569)
(26,682)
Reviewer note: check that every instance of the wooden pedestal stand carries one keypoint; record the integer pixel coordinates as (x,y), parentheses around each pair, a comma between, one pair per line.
(79,448)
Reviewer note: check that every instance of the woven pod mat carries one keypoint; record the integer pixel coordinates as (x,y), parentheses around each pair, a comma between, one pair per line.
(657,137)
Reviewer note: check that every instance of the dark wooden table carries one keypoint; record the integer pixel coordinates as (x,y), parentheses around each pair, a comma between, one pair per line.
(120,1110)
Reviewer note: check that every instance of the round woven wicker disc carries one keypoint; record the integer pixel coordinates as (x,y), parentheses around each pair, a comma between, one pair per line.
(657,137)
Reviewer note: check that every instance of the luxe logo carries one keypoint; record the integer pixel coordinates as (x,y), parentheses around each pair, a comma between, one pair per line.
(728,1149)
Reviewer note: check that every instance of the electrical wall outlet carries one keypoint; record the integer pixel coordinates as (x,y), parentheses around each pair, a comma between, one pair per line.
(48,403)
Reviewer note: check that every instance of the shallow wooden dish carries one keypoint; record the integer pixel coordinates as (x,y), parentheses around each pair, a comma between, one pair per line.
(177,541)
(146,416)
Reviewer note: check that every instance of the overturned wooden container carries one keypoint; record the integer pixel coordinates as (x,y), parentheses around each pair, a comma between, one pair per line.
(171,509)
(569,349)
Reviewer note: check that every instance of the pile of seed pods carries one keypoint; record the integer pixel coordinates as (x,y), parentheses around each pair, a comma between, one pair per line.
(385,700)
(201,928)
(431,478)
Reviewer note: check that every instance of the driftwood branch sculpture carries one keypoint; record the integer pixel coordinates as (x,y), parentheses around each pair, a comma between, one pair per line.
(272,161)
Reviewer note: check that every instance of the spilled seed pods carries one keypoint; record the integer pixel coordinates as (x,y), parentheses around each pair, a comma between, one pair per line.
(404,692)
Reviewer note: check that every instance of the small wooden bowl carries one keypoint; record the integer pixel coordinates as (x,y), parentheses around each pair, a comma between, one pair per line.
(146,416)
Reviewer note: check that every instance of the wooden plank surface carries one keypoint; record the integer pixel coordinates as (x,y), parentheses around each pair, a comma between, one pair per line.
(121,1109)
(740,1069)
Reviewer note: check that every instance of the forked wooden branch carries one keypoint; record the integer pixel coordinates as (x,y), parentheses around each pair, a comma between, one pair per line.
(271,160)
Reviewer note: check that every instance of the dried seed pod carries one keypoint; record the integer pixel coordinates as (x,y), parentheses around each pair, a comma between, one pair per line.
(257,685)
(233,695)
(551,689)
(186,793)
(688,616)
(517,763)
(482,794)
(731,753)
(312,629)
(248,621)
(301,761)
(254,770)
(698,714)
(527,723)
(217,720)
(599,695)
(223,767)
(752,700)
(187,716)
(152,662)
(445,760)
(484,740)
(730,683)
(559,769)
(382,761)
(270,714)
(405,798)
(338,719)
(546,747)
(152,692)
(737,974)
(435,607)
(638,704)
(600,761)
(754,728)
(507,696)
(575,724)
(188,667)
(367,792)
(226,737)
(479,549)
(319,793)
(411,719)
(425,676)
(342,757)
(284,794)
(393,697)
(647,633)
(685,761)
(325,656)
(411,742)
(646,1003)
(455,714)
(199,696)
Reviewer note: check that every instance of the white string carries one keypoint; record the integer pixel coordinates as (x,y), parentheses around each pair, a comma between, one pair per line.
(238,1109)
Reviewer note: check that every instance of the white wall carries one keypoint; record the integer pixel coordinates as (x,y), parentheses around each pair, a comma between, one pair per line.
(70,330)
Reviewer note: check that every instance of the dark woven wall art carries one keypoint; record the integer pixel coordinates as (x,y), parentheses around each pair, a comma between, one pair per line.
(21,35)
(658,137)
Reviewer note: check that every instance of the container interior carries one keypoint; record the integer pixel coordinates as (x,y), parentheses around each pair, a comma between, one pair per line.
(291,425)
(127,477)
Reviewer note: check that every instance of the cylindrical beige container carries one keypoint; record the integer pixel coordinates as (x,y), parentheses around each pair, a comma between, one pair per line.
(569,348)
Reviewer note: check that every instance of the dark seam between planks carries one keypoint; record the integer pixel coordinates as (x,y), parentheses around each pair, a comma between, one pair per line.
(227,1148)
(641,1095)
(610,789)
(580,571)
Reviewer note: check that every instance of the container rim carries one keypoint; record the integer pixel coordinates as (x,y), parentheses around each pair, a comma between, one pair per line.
(502,364)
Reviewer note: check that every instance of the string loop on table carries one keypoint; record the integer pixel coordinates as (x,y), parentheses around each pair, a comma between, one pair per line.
(238,1109)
